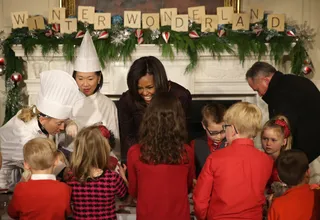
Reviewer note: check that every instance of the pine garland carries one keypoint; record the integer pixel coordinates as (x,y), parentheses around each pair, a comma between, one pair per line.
(240,43)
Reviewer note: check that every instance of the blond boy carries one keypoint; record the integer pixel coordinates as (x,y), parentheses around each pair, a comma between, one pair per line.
(42,197)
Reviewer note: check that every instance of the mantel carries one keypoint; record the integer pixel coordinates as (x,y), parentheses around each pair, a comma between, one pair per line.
(212,78)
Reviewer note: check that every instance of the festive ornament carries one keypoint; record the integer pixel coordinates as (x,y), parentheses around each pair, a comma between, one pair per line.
(190,23)
(56,27)
(103,35)
(307,61)
(193,34)
(58,35)
(48,33)
(116,20)
(138,33)
(221,32)
(166,36)
(140,40)
(155,34)
(1,61)
(16,77)
(272,33)
(80,34)
(307,69)
(257,29)
(95,33)
(290,33)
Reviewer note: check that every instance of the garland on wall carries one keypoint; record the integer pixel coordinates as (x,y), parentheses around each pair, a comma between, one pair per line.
(118,43)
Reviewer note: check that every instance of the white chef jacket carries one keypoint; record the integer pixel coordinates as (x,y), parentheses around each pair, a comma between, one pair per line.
(14,135)
(94,109)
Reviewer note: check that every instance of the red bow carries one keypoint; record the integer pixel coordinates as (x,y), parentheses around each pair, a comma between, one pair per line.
(104,131)
(285,126)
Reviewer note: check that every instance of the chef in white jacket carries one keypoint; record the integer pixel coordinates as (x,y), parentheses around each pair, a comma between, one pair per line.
(58,93)
(96,107)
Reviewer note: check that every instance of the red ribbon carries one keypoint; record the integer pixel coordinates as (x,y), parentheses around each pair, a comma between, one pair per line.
(104,131)
(285,126)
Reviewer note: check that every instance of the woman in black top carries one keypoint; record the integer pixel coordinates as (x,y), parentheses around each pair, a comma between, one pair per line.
(146,77)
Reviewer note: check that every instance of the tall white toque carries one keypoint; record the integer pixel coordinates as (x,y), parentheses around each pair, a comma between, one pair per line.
(87,59)
(58,94)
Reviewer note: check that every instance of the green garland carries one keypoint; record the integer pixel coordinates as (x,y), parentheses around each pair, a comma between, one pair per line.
(247,44)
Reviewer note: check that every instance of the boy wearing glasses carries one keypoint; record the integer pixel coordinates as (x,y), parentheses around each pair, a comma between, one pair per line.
(212,121)
(232,182)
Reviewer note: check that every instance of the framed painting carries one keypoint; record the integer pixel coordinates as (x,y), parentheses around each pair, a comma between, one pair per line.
(147,6)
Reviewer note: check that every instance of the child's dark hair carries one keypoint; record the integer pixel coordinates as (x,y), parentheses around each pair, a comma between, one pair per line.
(292,166)
(109,135)
(213,112)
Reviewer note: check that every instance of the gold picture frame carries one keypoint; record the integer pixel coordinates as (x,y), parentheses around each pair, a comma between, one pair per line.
(234,3)
(70,6)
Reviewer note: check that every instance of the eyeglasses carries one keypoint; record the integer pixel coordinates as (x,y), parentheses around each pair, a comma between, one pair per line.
(215,133)
(224,127)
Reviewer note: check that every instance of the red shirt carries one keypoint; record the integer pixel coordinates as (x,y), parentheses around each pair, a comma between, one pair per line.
(40,199)
(298,203)
(232,182)
(161,190)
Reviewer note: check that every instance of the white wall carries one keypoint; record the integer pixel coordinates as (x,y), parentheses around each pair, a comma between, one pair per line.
(299,10)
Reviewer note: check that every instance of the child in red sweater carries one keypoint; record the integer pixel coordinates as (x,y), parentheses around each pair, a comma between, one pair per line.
(42,197)
(299,201)
(232,182)
(161,166)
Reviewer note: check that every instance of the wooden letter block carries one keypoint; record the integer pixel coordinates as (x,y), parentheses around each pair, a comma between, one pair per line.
(102,21)
(256,15)
(180,23)
(56,15)
(276,22)
(197,13)
(209,23)
(225,15)
(166,15)
(151,21)
(86,14)
(68,26)
(132,19)
(241,22)
(19,19)
(36,23)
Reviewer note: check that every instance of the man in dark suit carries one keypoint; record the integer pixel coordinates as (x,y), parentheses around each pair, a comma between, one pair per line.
(299,100)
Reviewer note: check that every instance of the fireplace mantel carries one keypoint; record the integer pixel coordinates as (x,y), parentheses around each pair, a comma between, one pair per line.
(213,78)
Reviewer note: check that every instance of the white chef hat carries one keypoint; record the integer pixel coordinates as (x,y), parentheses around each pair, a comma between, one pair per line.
(58,94)
(87,59)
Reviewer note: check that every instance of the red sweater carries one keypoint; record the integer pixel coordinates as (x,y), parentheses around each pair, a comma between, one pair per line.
(297,203)
(232,182)
(161,190)
(40,199)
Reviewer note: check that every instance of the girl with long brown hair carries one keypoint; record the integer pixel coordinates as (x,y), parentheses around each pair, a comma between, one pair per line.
(161,166)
